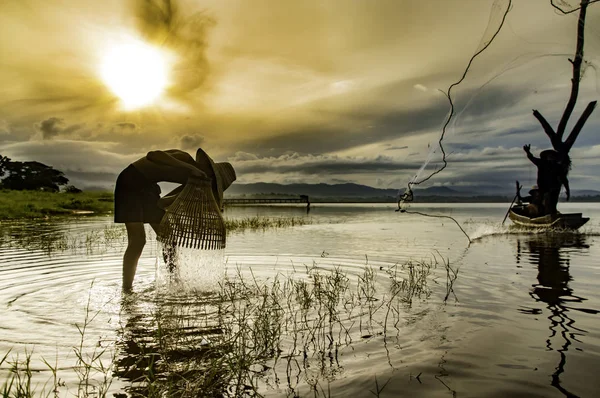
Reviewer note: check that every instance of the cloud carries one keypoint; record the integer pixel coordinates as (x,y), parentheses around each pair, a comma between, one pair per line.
(127,126)
(71,155)
(472,167)
(286,103)
(243,156)
(184,31)
(395,147)
(50,128)
(4,127)
(54,126)
(189,141)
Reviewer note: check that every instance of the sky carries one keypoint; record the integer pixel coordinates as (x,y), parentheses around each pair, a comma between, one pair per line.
(295,91)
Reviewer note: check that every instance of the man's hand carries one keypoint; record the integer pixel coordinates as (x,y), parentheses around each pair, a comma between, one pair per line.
(199,173)
(527,148)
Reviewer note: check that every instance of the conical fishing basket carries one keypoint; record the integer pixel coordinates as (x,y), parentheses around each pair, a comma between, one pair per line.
(194,219)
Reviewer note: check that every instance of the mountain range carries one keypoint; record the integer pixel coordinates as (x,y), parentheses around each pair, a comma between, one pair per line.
(364,192)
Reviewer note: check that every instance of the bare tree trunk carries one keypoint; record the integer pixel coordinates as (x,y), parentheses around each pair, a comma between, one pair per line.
(576,71)
(557,136)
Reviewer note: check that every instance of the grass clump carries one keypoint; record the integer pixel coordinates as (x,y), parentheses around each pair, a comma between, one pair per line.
(39,204)
(255,223)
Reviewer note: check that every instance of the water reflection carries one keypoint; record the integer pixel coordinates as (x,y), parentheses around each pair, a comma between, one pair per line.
(550,253)
(169,340)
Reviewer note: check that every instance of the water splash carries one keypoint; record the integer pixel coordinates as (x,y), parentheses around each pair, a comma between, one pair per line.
(487,230)
(187,269)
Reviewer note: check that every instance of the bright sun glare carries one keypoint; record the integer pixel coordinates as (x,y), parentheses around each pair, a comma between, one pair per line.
(135,72)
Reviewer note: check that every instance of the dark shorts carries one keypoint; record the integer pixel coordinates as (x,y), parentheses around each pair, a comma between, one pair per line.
(136,198)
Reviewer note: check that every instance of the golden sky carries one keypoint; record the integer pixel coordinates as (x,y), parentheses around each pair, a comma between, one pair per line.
(291,91)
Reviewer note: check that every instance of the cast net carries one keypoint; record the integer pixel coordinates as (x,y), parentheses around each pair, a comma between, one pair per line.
(497,17)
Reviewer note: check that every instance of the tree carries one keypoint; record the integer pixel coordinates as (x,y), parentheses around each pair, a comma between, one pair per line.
(31,176)
(3,162)
(556,137)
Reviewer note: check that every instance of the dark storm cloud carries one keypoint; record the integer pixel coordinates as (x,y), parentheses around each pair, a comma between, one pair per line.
(393,148)
(500,176)
(86,180)
(53,126)
(317,139)
(489,100)
(369,126)
(164,23)
(50,127)
(325,165)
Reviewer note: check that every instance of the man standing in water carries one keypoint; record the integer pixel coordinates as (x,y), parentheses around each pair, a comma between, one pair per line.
(137,195)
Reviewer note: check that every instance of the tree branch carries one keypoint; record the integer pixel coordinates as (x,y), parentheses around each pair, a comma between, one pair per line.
(570,11)
(547,129)
(576,71)
(578,126)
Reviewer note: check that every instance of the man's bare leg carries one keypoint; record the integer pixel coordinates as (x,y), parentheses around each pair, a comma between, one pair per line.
(136,239)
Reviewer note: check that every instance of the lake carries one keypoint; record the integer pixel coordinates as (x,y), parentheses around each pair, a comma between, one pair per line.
(420,308)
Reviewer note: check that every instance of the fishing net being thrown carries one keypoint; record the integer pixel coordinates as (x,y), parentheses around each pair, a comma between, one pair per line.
(498,13)
(194,219)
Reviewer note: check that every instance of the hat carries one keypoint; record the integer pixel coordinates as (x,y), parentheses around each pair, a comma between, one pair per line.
(222,174)
(550,154)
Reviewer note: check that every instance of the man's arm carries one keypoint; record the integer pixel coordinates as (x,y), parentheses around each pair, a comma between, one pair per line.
(534,160)
(169,198)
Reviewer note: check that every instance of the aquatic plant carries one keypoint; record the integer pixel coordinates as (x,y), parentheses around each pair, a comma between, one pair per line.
(51,238)
(93,372)
(255,223)
(253,335)
(285,332)
(93,369)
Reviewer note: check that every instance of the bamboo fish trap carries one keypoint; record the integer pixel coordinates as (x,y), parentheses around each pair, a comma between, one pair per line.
(194,219)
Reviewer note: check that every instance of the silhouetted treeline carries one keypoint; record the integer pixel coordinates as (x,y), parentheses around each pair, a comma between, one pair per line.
(31,175)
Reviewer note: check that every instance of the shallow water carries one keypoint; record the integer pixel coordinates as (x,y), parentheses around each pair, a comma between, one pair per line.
(521,318)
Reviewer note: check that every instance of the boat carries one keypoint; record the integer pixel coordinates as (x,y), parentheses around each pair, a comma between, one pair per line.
(518,216)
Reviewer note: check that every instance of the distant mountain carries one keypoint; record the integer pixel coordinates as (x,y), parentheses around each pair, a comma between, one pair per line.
(312,190)
(584,192)
(350,191)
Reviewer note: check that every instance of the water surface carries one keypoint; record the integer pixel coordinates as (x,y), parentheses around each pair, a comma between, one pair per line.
(521,318)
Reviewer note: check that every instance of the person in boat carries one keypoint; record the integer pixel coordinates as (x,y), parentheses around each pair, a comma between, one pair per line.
(534,202)
(137,195)
(552,173)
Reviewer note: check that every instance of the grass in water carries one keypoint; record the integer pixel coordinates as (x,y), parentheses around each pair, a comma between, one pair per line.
(286,333)
(50,238)
(255,223)
(91,368)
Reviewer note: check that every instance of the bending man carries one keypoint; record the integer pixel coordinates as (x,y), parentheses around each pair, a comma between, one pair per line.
(137,194)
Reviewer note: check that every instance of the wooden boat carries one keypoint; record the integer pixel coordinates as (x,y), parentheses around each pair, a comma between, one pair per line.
(559,220)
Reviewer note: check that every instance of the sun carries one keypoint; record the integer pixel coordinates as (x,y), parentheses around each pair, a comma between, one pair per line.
(135,72)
